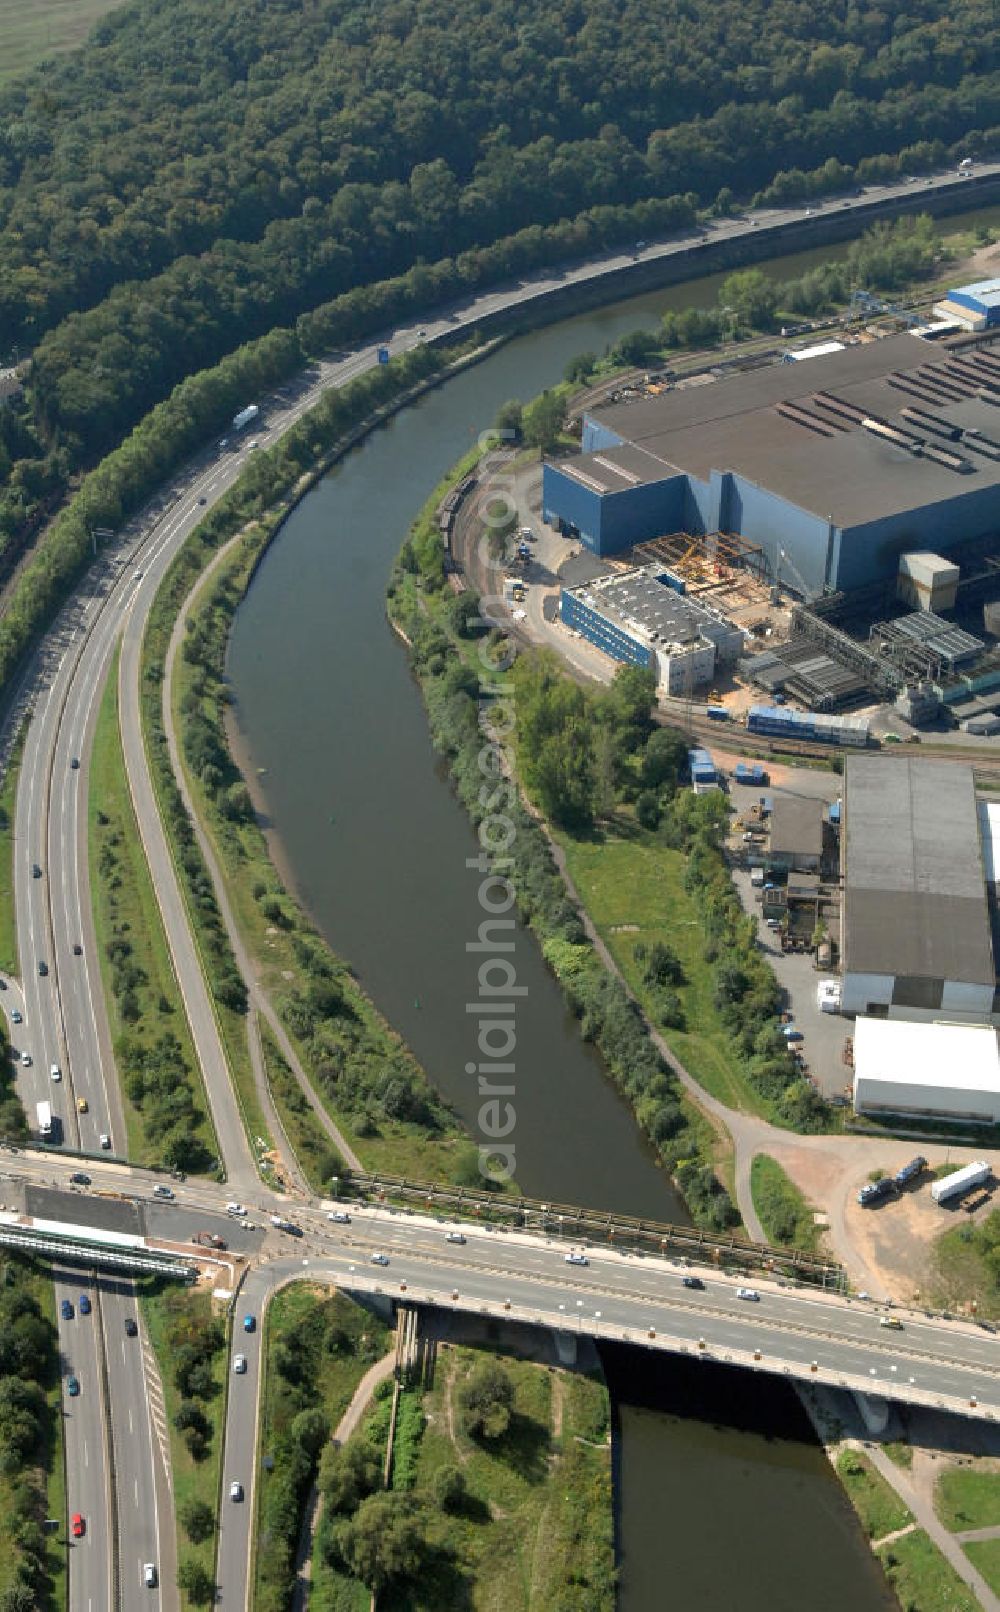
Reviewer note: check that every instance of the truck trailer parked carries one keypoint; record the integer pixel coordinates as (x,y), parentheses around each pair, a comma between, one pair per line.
(961,1181)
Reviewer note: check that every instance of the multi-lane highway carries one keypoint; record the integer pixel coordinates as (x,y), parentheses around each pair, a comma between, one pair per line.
(65,1023)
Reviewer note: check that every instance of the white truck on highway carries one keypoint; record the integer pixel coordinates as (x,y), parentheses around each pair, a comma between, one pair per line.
(243,419)
(44,1112)
(961,1181)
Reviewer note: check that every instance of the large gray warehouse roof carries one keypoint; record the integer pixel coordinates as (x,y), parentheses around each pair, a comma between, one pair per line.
(834,467)
(914,893)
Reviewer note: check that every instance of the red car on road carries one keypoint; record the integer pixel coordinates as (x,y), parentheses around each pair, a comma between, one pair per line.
(79,1526)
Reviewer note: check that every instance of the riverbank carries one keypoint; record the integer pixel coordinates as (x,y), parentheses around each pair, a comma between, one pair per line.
(359,1070)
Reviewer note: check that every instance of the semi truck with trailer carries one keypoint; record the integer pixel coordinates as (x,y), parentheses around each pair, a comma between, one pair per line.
(245,416)
(961,1181)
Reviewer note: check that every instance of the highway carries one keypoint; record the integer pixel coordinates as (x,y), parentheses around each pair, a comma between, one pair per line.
(65,1019)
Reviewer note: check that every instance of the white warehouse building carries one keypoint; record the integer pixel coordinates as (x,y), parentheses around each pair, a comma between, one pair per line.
(939,1071)
(916,923)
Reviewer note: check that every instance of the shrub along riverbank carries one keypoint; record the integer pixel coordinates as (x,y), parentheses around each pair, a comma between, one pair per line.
(362,1072)
(449,655)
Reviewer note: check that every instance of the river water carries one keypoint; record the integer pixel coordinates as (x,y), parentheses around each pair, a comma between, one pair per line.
(369,834)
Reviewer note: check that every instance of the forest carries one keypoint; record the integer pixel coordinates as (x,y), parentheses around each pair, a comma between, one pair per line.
(196,175)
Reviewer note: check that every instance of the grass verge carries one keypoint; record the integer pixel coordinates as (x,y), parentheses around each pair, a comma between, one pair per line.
(967,1498)
(984,1554)
(318,1158)
(964,1268)
(634,890)
(785,1214)
(177,1318)
(148,1022)
(318,1344)
(900,1452)
(923,1579)
(9,963)
(876,1503)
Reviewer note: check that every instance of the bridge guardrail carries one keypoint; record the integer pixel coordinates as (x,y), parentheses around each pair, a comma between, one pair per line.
(590,1225)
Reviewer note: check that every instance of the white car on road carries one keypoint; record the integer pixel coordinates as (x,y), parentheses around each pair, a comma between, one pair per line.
(577,1259)
(748,1293)
(379,1259)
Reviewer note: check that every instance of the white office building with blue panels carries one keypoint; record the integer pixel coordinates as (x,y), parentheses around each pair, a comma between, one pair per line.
(834,466)
(638,617)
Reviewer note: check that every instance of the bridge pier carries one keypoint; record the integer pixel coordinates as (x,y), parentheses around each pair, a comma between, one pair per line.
(565,1343)
(874,1413)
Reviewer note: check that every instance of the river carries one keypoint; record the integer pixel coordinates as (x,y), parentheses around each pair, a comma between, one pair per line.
(367,831)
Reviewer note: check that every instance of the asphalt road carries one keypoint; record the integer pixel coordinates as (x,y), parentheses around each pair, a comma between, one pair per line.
(65,1021)
(87,1468)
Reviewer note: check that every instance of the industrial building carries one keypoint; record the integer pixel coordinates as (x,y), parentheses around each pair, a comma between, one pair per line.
(938,1071)
(834,466)
(796,834)
(641,616)
(974,307)
(916,939)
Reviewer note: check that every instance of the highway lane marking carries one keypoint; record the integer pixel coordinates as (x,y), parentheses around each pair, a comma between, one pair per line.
(716,1313)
